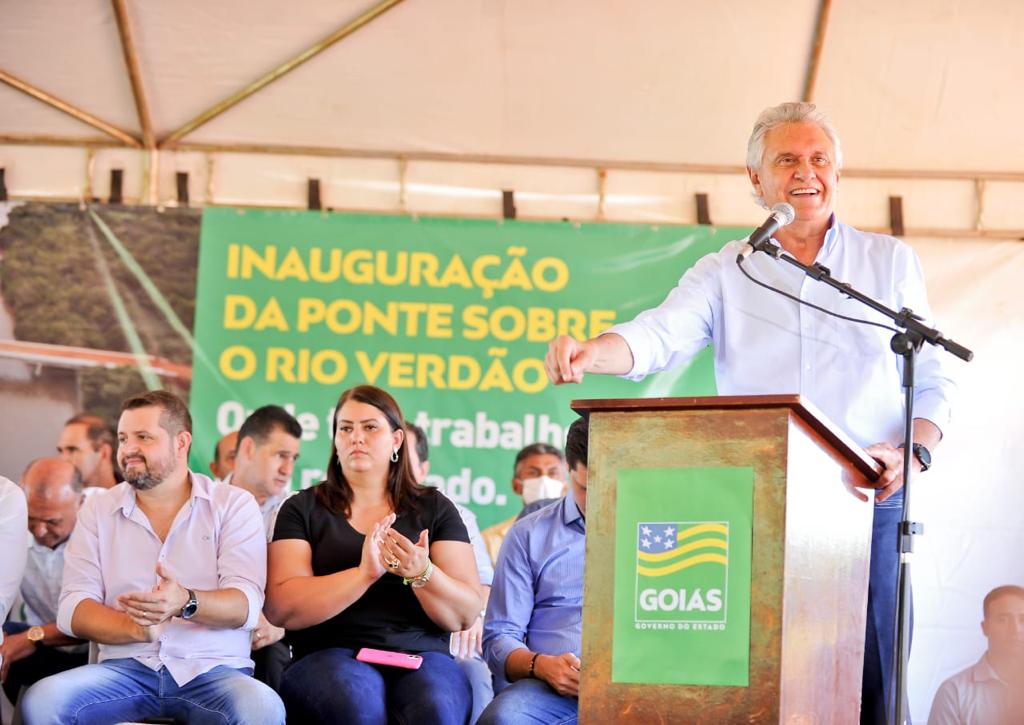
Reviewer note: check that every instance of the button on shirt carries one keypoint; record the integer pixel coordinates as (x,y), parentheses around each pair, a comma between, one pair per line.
(975,696)
(216,541)
(537,595)
(40,587)
(767,344)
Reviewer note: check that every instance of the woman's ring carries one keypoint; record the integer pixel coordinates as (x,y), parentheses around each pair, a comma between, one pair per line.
(393,563)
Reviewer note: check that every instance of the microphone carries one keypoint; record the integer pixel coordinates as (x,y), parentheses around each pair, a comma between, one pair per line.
(782,214)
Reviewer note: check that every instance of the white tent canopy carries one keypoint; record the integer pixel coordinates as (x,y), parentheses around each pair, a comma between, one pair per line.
(661,95)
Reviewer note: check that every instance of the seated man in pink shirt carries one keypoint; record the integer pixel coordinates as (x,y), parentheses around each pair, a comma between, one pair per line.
(166,571)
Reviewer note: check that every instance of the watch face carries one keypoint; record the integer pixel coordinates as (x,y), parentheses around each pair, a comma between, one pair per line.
(35,634)
(923,455)
(189,610)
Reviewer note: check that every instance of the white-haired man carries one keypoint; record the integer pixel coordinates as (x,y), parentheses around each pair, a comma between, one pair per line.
(765,343)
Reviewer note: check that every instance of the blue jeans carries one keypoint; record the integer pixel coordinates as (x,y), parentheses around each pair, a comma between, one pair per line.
(479,676)
(125,689)
(332,686)
(879,643)
(530,701)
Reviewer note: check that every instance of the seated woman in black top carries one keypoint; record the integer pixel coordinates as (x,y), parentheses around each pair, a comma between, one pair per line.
(368,558)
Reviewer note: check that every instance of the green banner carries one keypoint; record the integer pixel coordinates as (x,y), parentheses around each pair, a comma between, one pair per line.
(682,576)
(451,316)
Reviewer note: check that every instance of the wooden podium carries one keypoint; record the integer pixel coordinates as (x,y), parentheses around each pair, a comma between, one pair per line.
(809,556)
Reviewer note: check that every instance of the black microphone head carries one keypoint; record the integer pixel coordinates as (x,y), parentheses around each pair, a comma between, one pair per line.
(784,213)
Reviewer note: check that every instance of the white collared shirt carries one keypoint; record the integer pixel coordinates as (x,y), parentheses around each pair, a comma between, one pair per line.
(765,343)
(40,587)
(13,529)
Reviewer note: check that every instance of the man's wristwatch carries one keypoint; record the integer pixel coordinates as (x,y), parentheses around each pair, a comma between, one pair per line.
(189,610)
(35,635)
(922,454)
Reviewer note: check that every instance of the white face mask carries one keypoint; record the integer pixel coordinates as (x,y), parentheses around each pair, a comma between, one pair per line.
(535,489)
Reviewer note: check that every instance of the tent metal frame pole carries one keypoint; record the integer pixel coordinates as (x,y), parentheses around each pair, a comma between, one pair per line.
(74,111)
(170,141)
(817,48)
(131,61)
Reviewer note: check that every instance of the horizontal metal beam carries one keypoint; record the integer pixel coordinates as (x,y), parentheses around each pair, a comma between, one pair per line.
(35,139)
(617,164)
(334,152)
(498,159)
(910,232)
(77,113)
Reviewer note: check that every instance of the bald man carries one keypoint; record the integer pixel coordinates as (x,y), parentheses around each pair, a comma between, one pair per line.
(34,649)
(224,453)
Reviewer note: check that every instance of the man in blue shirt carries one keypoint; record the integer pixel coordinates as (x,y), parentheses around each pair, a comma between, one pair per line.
(532,633)
(766,343)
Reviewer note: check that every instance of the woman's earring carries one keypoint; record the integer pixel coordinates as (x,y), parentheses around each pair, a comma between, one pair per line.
(394,456)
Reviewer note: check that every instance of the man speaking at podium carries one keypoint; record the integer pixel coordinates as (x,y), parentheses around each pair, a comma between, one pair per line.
(765,343)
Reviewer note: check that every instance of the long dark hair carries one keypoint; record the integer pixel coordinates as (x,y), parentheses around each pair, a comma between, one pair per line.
(335,493)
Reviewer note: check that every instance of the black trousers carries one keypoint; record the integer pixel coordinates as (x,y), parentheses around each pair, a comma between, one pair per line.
(45,661)
(270,663)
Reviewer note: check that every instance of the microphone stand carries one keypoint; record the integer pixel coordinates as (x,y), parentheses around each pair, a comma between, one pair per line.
(906,344)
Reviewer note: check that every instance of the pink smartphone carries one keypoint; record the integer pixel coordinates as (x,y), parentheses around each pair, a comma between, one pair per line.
(391,659)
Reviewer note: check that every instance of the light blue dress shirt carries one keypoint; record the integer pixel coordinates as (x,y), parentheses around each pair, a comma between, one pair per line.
(537,595)
(767,344)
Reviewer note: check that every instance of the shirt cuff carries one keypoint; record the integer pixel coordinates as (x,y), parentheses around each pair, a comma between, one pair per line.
(66,612)
(497,653)
(253,595)
(633,334)
(934,408)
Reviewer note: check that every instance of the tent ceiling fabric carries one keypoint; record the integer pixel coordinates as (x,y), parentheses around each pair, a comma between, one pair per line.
(914,85)
(926,85)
